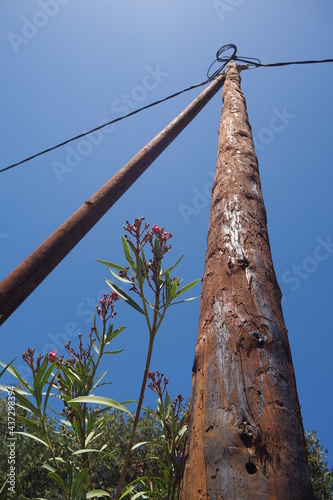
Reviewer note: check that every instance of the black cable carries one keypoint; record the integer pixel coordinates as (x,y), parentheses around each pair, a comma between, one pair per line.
(102,126)
(250,63)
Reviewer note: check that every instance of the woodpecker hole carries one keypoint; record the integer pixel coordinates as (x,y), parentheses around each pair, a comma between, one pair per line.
(259,338)
(251,468)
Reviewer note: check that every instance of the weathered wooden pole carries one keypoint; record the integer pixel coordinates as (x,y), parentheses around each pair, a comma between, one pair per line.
(21,282)
(246,438)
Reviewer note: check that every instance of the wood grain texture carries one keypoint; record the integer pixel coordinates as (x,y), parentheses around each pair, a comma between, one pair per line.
(246,438)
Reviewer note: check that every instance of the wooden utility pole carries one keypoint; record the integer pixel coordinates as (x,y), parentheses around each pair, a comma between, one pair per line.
(246,438)
(34,269)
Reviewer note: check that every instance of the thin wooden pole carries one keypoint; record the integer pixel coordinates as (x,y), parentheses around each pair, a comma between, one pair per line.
(246,437)
(18,285)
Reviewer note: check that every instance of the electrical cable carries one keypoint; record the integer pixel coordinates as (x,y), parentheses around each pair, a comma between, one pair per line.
(249,63)
(103,125)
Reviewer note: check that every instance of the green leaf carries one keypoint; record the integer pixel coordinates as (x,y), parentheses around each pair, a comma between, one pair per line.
(32,437)
(127,491)
(95,329)
(124,296)
(100,400)
(173,290)
(12,370)
(99,379)
(98,494)
(187,287)
(6,388)
(137,445)
(157,247)
(79,483)
(5,368)
(86,450)
(89,438)
(95,348)
(167,405)
(141,272)
(176,264)
(120,278)
(42,369)
(33,426)
(185,300)
(111,264)
(57,479)
(48,373)
(38,390)
(167,284)
(4,489)
(127,253)
(112,335)
(49,467)
(114,352)
(70,374)
(26,403)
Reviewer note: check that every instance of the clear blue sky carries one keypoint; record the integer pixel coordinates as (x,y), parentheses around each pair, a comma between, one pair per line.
(67,65)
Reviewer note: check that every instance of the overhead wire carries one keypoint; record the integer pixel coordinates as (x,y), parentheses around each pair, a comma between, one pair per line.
(249,63)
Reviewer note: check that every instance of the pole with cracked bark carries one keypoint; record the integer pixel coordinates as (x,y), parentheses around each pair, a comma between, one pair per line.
(246,437)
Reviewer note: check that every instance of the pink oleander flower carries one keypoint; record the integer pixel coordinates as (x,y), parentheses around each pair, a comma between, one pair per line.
(52,356)
(155,229)
(115,296)
(165,235)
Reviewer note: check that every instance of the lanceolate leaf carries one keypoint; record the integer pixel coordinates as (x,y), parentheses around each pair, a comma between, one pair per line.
(111,264)
(26,403)
(48,372)
(176,264)
(87,450)
(137,445)
(100,400)
(6,366)
(99,379)
(32,437)
(124,296)
(120,278)
(112,335)
(127,253)
(12,370)
(33,426)
(57,479)
(49,467)
(97,494)
(95,348)
(79,484)
(185,300)
(187,287)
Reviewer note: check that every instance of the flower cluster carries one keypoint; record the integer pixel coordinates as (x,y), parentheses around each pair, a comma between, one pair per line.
(28,357)
(155,383)
(106,308)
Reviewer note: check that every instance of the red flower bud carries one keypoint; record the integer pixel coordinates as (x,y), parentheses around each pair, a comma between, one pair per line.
(155,229)
(52,356)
